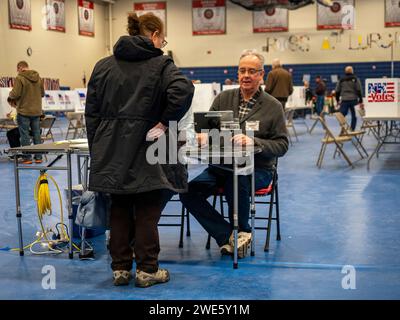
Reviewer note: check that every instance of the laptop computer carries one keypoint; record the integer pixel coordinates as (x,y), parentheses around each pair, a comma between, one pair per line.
(210,119)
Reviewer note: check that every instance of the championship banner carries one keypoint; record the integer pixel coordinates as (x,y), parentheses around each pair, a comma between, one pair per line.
(208,17)
(339,16)
(86,18)
(158,8)
(392,13)
(271,20)
(20,14)
(55,15)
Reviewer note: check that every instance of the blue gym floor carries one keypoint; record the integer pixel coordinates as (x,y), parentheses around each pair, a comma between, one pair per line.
(330,218)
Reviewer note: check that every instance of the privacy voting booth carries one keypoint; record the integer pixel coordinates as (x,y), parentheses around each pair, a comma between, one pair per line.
(382,97)
(4,106)
(204,95)
(61,100)
(298,98)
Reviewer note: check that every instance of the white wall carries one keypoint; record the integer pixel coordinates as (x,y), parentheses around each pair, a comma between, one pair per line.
(191,50)
(55,54)
(67,55)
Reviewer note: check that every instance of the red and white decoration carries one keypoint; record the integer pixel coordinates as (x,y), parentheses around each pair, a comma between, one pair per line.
(382,97)
(271,20)
(20,14)
(55,15)
(209,17)
(392,13)
(158,8)
(86,18)
(339,16)
(381,91)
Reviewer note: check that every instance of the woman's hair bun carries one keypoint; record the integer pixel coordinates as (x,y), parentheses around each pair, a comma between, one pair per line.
(133,24)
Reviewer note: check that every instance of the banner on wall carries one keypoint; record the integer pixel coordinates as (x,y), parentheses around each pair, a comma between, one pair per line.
(208,17)
(271,20)
(339,16)
(19,12)
(392,13)
(55,15)
(86,18)
(158,8)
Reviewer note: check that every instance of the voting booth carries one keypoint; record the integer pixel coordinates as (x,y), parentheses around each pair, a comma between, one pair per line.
(4,106)
(61,100)
(204,95)
(297,99)
(82,98)
(382,97)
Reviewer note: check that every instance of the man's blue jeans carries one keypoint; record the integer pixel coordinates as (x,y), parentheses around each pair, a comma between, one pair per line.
(27,125)
(319,105)
(345,106)
(206,184)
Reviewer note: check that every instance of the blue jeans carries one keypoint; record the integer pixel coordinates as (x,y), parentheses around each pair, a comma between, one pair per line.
(206,184)
(27,125)
(345,106)
(319,105)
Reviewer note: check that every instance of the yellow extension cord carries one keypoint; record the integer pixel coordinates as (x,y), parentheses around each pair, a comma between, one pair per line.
(43,201)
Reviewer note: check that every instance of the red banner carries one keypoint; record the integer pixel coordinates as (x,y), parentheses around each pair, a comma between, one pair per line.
(271,20)
(86,18)
(209,17)
(148,6)
(392,13)
(157,8)
(19,12)
(339,16)
(55,15)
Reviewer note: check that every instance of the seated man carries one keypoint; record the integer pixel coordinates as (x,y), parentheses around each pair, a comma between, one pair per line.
(249,103)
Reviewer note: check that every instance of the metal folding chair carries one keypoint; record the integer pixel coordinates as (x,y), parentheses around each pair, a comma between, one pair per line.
(76,125)
(355,135)
(369,126)
(330,138)
(289,124)
(184,213)
(270,191)
(46,125)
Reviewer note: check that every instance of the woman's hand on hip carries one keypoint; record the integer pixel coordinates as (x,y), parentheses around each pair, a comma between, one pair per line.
(157,131)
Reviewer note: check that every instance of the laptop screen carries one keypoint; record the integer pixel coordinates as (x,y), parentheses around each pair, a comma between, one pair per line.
(210,119)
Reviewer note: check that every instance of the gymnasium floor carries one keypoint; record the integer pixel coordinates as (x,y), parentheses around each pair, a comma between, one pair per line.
(330,218)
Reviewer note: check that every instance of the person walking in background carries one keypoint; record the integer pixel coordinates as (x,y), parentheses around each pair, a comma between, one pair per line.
(132,97)
(26,97)
(349,94)
(308,94)
(279,83)
(320,91)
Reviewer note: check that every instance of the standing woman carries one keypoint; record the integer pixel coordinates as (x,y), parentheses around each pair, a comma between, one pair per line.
(132,96)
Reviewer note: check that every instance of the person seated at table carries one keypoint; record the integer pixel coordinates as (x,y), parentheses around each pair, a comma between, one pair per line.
(249,103)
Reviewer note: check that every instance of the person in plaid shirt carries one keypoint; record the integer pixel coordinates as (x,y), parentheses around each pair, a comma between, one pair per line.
(249,103)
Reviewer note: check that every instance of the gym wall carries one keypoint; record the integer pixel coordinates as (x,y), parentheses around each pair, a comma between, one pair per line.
(55,54)
(192,51)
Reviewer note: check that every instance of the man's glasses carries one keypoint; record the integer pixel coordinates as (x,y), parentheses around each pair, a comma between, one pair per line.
(164,43)
(251,71)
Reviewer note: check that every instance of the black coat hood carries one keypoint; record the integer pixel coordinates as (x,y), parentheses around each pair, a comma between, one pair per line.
(135,48)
